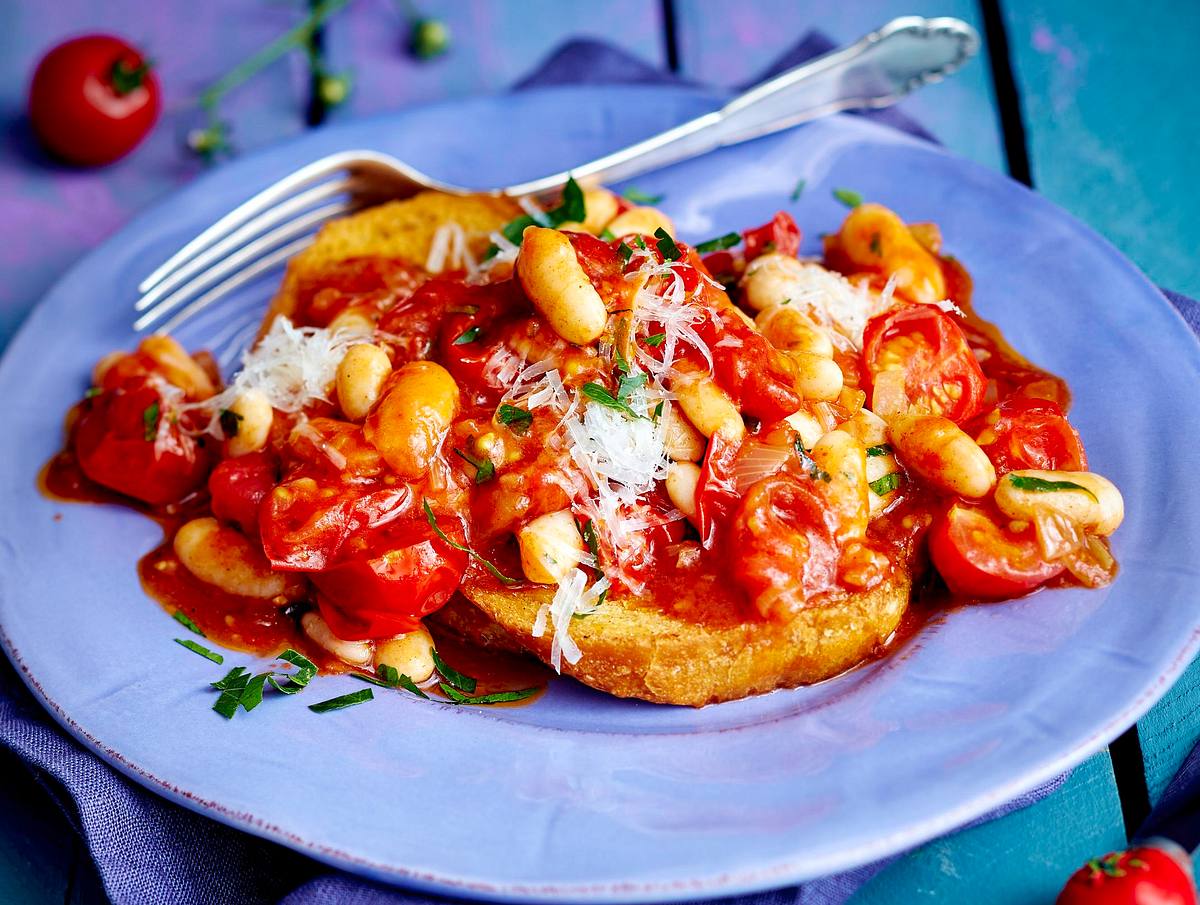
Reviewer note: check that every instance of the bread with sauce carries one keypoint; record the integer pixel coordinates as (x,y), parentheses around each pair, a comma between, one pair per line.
(401,230)
(687,650)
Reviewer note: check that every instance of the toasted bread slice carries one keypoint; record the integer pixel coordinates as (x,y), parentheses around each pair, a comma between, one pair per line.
(694,651)
(399,230)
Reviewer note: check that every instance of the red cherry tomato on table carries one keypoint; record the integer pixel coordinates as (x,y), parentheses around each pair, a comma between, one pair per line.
(404,571)
(93,99)
(238,487)
(1031,433)
(126,440)
(979,557)
(1147,875)
(941,375)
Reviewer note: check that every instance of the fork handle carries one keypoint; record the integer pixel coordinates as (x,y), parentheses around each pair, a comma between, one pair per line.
(875,71)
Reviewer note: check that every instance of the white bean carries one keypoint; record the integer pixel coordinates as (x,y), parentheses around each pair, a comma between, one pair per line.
(817,377)
(360,378)
(845,461)
(805,423)
(254,416)
(352,320)
(770,280)
(1098,506)
(356,653)
(939,451)
(410,654)
(705,404)
(558,286)
(788,328)
(223,557)
(177,366)
(682,441)
(682,478)
(550,547)
(641,220)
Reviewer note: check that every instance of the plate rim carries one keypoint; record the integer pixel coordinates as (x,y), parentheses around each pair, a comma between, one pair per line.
(781,871)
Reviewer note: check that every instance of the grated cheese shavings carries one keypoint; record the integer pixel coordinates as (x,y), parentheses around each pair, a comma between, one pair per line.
(573,598)
(449,250)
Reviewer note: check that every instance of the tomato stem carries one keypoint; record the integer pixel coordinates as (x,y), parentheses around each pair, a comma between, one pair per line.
(126,79)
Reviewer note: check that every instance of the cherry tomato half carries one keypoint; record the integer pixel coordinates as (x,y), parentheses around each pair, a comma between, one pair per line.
(716,490)
(783,543)
(404,571)
(239,486)
(941,375)
(978,557)
(126,440)
(93,99)
(781,235)
(1031,433)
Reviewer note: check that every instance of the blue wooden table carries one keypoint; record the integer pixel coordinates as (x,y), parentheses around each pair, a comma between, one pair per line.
(1093,106)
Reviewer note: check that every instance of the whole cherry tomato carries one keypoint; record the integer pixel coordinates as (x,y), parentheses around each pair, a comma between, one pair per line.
(238,487)
(781,235)
(941,375)
(93,99)
(979,557)
(1031,433)
(1158,873)
(127,440)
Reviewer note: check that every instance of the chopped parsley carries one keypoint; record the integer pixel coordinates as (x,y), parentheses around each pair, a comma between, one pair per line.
(484,469)
(882,449)
(658,409)
(666,245)
(876,245)
(497,697)
(517,420)
(240,689)
(201,650)
(182,618)
(637,196)
(468,336)
(806,462)
(432,519)
(655,340)
(587,530)
(571,209)
(848,197)
(452,675)
(625,252)
(150,422)
(720,243)
(628,384)
(885,485)
(343,701)
(230,422)
(390,677)
(607,235)
(599,394)
(1041,485)
(639,242)
(799,189)
(92,392)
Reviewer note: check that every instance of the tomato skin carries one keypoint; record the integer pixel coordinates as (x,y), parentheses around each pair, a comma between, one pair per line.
(758,377)
(239,486)
(405,572)
(716,491)
(1032,433)
(936,355)
(77,111)
(781,236)
(1151,874)
(978,558)
(111,445)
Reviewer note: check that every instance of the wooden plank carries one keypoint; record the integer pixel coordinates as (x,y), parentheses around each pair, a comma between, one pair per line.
(1023,857)
(494,43)
(726,45)
(1170,730)
(1111,116)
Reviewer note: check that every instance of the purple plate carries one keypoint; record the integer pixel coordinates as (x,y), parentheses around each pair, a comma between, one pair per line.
(579,796)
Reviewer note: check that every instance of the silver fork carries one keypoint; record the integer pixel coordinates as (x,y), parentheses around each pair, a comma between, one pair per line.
(263,232)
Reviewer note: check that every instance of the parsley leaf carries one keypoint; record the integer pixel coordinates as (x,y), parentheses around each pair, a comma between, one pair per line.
(655,340)
(572,208)
(806,462)
(607,235)
(201,650)
(848,197)
(452,675)
(599,394)
(720,243)
(182,618)
(230,422)
(658,409)
(885,485)
(150,422)
(587,530)
(240,689)
(92,392)
(231,688)
(343,701)
(625,252)
(798,190)
(468,336)
(639,242)
(484,469)
(390,677)
(432,519)
(1041,485)
(666,245)
(498,697)
(875,451)
(517,420)
(628,384)
(637,196)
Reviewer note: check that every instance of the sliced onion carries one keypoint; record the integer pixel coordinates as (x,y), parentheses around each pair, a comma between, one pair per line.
(888,396)
(1056,535)
(1092,563)
(756,461)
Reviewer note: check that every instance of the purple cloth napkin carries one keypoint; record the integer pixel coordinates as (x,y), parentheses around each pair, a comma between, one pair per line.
(148,850)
